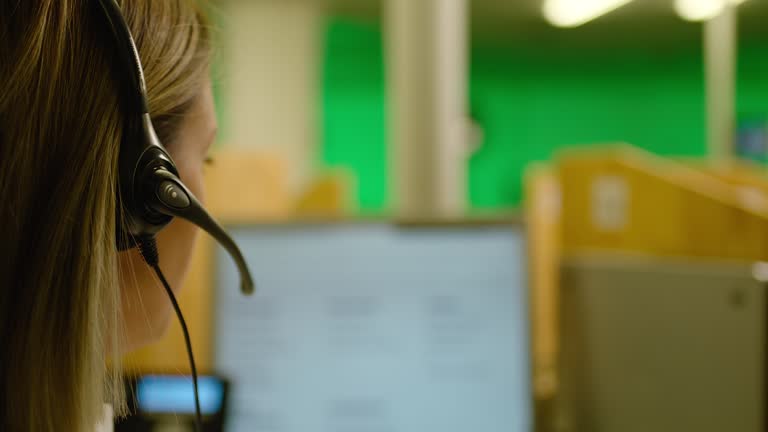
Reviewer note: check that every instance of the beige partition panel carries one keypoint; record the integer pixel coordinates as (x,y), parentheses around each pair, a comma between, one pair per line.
(661,345)
(542,214)
(624,199)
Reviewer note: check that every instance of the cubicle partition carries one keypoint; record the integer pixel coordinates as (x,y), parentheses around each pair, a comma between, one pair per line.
(661,344)
(648,314)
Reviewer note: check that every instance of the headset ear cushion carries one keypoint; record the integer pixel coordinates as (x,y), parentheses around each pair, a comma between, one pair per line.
(135,215)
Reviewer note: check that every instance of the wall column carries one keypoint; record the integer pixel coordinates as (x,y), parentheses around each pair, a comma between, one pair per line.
(426,56)
(272,52)
(720,57)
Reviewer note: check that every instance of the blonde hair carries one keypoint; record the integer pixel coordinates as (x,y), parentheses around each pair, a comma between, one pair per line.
(61,126)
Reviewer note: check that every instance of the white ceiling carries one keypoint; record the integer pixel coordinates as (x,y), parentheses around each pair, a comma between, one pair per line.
(526,9)
(642,20)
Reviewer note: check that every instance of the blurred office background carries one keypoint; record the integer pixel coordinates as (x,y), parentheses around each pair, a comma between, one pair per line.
(520,215)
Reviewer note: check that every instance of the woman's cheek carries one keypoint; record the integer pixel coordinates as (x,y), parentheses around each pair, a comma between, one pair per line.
(191,173)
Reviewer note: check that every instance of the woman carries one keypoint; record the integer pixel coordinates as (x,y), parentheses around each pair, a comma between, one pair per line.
(69,301)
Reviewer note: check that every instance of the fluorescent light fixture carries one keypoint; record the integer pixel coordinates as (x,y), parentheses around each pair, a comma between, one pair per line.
(573,13)
(702,10)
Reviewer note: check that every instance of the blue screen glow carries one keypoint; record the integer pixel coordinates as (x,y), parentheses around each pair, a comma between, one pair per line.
(175,394)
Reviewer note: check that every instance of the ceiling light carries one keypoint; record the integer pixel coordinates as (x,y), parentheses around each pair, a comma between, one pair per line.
(702,10)
(573,13)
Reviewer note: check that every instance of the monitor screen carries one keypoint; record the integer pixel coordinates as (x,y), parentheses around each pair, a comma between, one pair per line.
(372,327)
(166,394)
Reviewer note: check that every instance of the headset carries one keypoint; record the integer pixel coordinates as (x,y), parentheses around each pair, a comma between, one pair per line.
(150,192)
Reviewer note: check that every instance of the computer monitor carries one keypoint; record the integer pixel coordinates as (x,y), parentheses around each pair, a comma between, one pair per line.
(166,402)
(374,327)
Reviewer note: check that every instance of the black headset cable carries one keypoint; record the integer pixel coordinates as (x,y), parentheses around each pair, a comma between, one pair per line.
(148,248)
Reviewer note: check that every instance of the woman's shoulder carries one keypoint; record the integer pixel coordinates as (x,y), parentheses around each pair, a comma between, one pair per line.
(107,423)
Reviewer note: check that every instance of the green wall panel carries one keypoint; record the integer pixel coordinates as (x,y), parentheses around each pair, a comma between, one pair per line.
(530,102)
(353,108)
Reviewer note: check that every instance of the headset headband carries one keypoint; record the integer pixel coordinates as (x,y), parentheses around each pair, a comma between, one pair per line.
(151,193)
